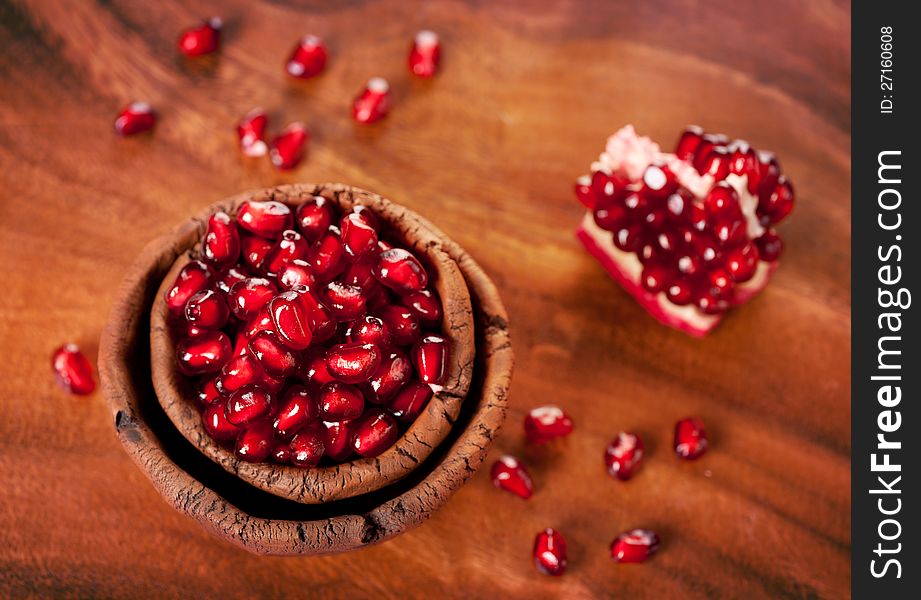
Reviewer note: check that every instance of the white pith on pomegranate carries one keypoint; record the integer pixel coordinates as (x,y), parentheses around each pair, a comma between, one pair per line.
(688,234)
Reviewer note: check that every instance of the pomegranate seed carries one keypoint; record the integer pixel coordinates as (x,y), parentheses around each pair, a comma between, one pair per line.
(719,283)
(72,370)
(583,189)
(707,249)
(307,447)
(247,297)
(216,424)
(722,202)
(297,274)
(308,59)
(275,358)
(768,174)
(654,278)
(208,392)
(359,236)
(314,216)
(403,325)
(678,206)
(612,217)
(229,277)
(298,409)
(709,303)
(375,431)
(769,245)
(254,248)
(205,353)
(345,302)
(360,273)
(743,161)
(251,131)
(679,292)
(287,148)
(550,552)
(239,371)
(629,237)
(658,182)
(328,256)
(690,438)
(262,321)
(425,305)
(313,369)
(510,475)
(192,278)
(373,103)
(624,455)
(255,443)
(546,423)
(634,546)
(716,163)
(290,246)
(247,405)
(410,401)
(291,319)
(281,454)
(399,270)
(430,357)
(369,330)
(338,439)
(353,362)
(135,118)
(776,205)
(221,244)
(393,373)
(708,142)
(425,54)
(608,189)
(207,309)
(202,39)
(340,401)
(266,219)
(741,262)
(690,139)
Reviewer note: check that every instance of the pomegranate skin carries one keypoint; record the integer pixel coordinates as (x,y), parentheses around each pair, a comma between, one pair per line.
(374,432)
(202,354)
(634,546)
(247,405)
(550,552)
(308,59)
(353,362)
(624,455)
(216,424)
(194,277)
(546,423)
(255,443)
(308,447)
(135,118)
(72,370)
(690,438)
(509,474)
(202,39)
(425,54)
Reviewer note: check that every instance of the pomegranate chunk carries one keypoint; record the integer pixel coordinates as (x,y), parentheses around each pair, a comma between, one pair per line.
(375,431)
(373,103)
(425,54)
(135,118)
(624,455)
(550,552)
(546,423)
(287,148)
(308,59)
(510,475)
(72,370)
(202,39)
(690,438)
(634,546)
(251,131)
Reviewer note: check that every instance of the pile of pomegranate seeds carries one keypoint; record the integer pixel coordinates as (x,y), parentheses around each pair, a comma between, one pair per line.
(691,233)
(308,336)
(202,39)
(72,370)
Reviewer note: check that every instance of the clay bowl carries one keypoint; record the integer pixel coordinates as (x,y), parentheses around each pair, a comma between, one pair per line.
(360,476)
(263,523)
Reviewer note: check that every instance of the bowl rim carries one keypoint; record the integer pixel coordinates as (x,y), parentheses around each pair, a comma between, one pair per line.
(359,475)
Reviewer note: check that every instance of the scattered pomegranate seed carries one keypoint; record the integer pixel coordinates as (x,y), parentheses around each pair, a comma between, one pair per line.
(624,455)
(135,118)
(255,443)
(410,401)
(251,131)
(510,475)
(308,59)
(338,439)
(205,353)
(247,405)
(425,54)
(266,219)
(550,552)
(340,401)
(72,370)
(353,362)
(298,409)
(202,39)
(207,309)
(373,103)
(375,431)
(690,438)
(634,546)
(287,148)
(216,424)
(546,423)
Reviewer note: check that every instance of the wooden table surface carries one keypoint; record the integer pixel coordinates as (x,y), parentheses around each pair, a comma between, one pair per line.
(488,150)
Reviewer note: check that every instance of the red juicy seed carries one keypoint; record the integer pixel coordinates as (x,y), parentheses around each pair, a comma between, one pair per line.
(359,237)
(373,103)
(608,189)
(239,371)
(706,248)
(319,319)
(730,232)
(546,423)
(367,215)
(624,455)
(686,147)
(314,371)
(208,392)
(716,163)
(337,437)
(361,273)
(742,161)
(769,245)
(678,206)
(583,190)
(374,432)
(247,405)
(266,219)
(287,148)
(308,59)
(247,297)
(634,546)
(708,142)
(345,302)
(550,552)
(281,454)
(205,353)
(710,303)
(430,357)
(340,401)
(72,370)
(186,329)
(291,319)
(228,278)
(275,358)
(369,330)
(201,39)
(698,216)
(510,475)
(207,309)
(353,362)
(655,220)
(296,274)
(402,323)
(654,278)
(741,262)
(425,54)
(768,174)
(262,321)
(612,217)
(688,264)
(394,372)
(722,202)
(399,270)
(679,292)
(629,238)
(256,443)
(251,131)
(308,447)
(216,424)
(192,278)
(658,182)
(425,305)
(410,401)
(314,216)
(328,256)
(775,207)
(690,438)
(221,244)
(254,248)
(289,247)
(135,118)
(298,409)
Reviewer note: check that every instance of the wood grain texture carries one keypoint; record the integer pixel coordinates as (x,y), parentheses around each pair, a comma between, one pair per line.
(488,151)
